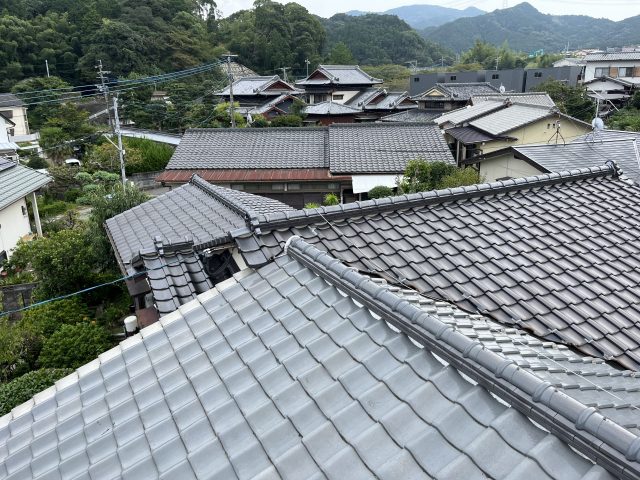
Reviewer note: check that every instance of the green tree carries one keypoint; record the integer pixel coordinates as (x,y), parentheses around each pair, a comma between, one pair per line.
(18,391)
(423,176)
(64,262)
(286,121)
(68,128)
(573,101)
(71,346)
(58,90)
(380,192)
(340,55)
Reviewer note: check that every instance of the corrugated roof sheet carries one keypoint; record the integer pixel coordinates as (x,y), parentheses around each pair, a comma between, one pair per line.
(465,114)
(281,373)
(17,182)
(556,254)
(194,211)
(380,147)
(508,119)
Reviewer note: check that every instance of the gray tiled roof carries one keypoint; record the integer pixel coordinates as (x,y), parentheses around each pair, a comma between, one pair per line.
(197,211)
(462,91)
(238,70)
(555,254)
(603,57)
(413,115)
(391,101)
(17,182)
(357,148)
(340,75)
(175,274)
(10,100)
(380,147)
(266,107)
(249,148)
(465,114)
(508,119)
(257,86)
(365,96)
(284,373)
(602,135)
(330,108)
(560,157)
(528,98)
(469,135)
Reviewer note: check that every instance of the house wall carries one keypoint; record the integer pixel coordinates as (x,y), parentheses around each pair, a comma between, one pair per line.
(604,86)
(346,95)
(539,132)
(614,65)
(13,225)
(17,115)
(506,166)
(535,76)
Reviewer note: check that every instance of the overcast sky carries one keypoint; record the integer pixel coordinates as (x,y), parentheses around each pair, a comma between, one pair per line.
(613,9)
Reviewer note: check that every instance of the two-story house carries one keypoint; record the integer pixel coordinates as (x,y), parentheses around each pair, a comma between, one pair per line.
(612,77)
(14,109)
(336,83)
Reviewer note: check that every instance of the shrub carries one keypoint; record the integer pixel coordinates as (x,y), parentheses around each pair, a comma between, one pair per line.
(72,195)
(23,388)
(423,176)
(330,199)
(36,162)
(74,345)
(260,122)
(46,319)
(51,208)
(286,121)
(380,192)
(312,205)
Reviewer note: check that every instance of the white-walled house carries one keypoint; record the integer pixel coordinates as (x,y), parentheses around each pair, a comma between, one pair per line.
(16,184)
(7,148)
(624,65)
(14,109)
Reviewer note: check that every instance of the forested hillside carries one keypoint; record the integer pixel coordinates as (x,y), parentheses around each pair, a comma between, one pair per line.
(380,39)
(141,36)
(423,16)
(526,29)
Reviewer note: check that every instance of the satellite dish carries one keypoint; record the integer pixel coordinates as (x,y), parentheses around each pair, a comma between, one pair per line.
(597,124)
(502,89)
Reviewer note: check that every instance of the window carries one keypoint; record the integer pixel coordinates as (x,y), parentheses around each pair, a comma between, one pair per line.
(333,186)
(7,113)
(338,97)
(602,72)
(537,75)
(3,257)
(237,186)
(453,77)
(293,186)
(24,211)
(277,186)
(625,72)
(495,76)
(416,79)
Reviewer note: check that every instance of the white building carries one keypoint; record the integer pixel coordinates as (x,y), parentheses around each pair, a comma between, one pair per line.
(625,66)
(16,183)
(7,148)
(14,109)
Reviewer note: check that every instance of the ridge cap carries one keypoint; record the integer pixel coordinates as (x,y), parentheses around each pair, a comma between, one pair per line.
(246,213)
(272,221)
(522,390)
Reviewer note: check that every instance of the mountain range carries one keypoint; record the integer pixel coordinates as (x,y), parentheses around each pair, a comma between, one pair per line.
(425,16)
(526,29)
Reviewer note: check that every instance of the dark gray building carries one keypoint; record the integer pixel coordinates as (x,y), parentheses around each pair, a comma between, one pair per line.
(513,80)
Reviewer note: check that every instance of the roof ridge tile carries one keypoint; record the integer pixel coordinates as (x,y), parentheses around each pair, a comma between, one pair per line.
(301,217)
(514,385)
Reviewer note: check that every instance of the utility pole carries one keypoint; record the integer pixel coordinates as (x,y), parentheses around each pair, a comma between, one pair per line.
(284,73)
(119,134)
(307,62)
(497,62)
(46,64)
(104,88)
(232,110)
